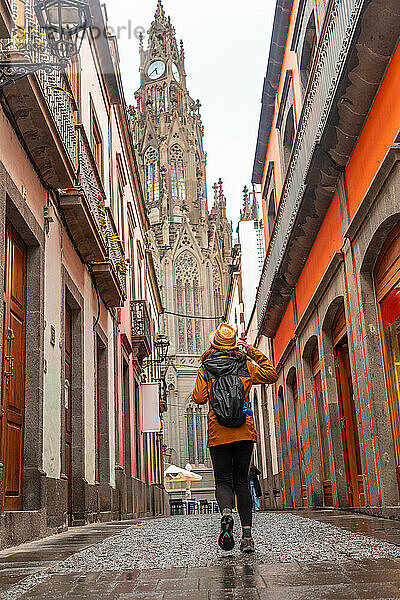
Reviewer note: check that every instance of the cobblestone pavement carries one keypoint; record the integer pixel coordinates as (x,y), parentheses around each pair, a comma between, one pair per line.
(311,556)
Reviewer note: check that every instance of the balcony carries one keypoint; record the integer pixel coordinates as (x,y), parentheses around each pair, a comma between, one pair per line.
(5,18)
(341,85)
(92,216)
(43,110)
(141,329)
(81,221)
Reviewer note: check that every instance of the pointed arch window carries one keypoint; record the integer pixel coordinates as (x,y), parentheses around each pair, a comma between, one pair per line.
(188,303)
(178,187)
(152,176)
(288,137)
(218,296)
(195,434)
(308,51)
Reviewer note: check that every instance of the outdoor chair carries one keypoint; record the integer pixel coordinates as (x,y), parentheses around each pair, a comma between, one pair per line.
(205,507)
(191,507)
(177,507)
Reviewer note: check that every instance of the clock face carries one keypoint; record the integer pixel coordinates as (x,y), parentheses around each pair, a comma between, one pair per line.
(156,69)
(175,72)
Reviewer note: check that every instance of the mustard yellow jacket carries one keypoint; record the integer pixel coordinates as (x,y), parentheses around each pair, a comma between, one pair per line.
(261,371)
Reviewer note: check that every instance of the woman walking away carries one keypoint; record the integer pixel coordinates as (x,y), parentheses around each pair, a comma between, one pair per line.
(229,369)
(255,487)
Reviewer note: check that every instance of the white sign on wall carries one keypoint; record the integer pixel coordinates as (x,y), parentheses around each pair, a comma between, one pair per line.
(150,393)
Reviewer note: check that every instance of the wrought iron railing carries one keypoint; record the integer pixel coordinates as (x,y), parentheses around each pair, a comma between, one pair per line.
(31,43)
(90,182)
(342,20)
(141,323)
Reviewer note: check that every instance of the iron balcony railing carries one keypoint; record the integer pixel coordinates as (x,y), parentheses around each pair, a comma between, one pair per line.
(54,85)
(90,182)
(341,26)
(56,92)
(141,327)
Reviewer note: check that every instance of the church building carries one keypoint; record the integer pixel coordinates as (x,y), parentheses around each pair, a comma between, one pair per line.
(191,246)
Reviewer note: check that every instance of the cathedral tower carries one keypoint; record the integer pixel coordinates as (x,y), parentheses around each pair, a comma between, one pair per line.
(191,247)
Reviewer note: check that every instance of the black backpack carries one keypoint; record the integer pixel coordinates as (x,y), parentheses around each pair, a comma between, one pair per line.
(227,392)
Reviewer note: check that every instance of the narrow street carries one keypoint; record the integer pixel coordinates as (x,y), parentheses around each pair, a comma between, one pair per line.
(299,556)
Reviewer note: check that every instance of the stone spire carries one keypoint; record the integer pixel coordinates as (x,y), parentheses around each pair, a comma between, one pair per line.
(160,13)
(246,213)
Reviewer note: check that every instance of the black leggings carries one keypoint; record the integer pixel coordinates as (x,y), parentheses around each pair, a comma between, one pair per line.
(231,464)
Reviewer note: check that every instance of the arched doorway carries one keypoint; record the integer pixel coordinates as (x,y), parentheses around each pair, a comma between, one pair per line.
(285,449)
(347,412)
(387,286)
(299,437)
(322,427)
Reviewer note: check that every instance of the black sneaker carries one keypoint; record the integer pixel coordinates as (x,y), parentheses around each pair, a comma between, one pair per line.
(226,541)
(247,545)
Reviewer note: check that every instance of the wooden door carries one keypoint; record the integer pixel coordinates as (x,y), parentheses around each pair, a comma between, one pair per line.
(347,411)
(322,428)
(387,285)
(68,406)
(13,371)
(98,409)
(300,448)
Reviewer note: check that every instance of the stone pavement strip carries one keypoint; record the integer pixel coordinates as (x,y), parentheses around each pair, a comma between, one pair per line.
(304,556)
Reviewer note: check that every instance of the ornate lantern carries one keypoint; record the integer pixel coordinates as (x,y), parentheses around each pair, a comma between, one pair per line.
(65,23)
(162,344)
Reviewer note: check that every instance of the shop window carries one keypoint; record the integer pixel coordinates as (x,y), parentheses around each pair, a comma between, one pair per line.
(387,285)
(308,51)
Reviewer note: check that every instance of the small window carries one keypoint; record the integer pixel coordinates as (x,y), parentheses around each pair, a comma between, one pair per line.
(97,144)
(132,265)
(120,209)
(308,52)
(271,212)
(288,137)
(73,77)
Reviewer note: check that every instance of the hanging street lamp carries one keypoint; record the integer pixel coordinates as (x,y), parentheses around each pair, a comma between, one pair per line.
(162,345)
(65,23)
(62,23)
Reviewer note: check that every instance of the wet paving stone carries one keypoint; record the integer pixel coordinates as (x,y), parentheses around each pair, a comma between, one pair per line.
(94,563)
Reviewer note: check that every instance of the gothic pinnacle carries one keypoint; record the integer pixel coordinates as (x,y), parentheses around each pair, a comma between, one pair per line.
(215,188)
(221,191)
(160,14)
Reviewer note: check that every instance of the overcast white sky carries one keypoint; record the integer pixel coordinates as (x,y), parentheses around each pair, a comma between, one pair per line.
(226,45)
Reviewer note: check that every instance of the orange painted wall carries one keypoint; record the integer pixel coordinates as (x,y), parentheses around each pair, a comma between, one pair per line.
(379,133)
(284,333)
(329,240)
